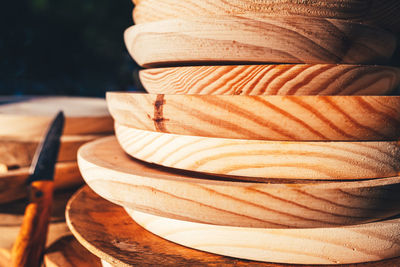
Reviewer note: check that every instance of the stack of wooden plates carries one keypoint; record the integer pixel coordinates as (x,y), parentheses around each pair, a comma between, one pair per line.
(23,123)
(268,127)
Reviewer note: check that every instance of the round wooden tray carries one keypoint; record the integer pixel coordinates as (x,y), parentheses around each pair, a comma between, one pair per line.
(264,159)
(13,183)
(257,39)
(301,79)
(351,244)
(109,233)
(297,118)
(376,12)
(29,119)
(218,200)
(19,152)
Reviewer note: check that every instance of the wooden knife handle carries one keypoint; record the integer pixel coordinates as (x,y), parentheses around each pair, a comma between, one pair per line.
(29,245)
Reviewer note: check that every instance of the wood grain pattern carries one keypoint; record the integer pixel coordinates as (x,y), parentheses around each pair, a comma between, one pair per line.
(29,119)
(264,159)
(318,79)
(13,183)
(219,200)
(282,118)
(19,152)
(257,39)
(376,12)
(344,245)
(67,252)
(108,232)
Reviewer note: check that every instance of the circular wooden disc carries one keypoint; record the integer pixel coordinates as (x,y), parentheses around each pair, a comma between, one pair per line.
(68,252)
(15,152)
(13,183)
(30,119)
(376,12)
(297,118)
(351,244)
(257,38)
(319,79)
(109,233)
(218,200)
(264,159)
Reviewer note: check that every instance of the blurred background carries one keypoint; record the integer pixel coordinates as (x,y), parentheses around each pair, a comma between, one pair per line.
(65,47)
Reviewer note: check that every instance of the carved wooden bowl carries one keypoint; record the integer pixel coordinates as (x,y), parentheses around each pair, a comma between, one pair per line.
(382,13)
(217,200)
(298,79)
(264,160)
(290,118)
(331,245)
(257,39)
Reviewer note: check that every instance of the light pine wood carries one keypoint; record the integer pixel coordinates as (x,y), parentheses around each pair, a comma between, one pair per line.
(30,119)
(19,152)
(3,168)
(336,245)
(298,118)
(67,252)
(377,12)
(318,79)
(219,200)
(108,232)
(257,39)
(13,183)
(264,159)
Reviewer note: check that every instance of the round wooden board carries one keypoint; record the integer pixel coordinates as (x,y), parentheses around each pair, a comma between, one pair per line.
(29,119)
(264,159)
(218,200)
(257,39)
(13,183)
(20,152)
(297,118)
(351,244)
(108,232)
(68,252)
(301,79)
(377,12)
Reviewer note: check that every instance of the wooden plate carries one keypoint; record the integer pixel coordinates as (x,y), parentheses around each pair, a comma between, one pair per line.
(29,119)
(376,12)
(298,118)
(319,79)
(264,159)
(218,200)
(14,152)
(351,244)
(257,39)
(108,232)
(13,183)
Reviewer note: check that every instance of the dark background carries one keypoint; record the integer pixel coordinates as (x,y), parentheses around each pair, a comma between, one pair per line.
(65,47)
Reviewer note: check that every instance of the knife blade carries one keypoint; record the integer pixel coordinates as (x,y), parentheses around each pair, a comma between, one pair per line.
(29,245)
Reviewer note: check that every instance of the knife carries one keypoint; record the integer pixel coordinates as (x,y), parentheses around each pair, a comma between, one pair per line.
(29,245)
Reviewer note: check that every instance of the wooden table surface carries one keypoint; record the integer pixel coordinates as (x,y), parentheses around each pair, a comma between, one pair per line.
(107,231)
